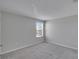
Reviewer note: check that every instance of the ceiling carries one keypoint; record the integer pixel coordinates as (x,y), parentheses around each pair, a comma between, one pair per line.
(41,9)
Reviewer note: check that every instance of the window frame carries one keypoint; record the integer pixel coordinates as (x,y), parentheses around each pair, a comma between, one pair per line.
(42,29)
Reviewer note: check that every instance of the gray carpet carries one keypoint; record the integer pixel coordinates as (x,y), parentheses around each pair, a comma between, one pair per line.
(43,51)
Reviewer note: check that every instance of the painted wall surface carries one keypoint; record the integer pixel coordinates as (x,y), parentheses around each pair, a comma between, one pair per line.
(0,31)
(0,57)
(18,31)
(63,31)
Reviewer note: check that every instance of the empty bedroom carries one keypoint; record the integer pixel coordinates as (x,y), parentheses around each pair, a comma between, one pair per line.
(38,29)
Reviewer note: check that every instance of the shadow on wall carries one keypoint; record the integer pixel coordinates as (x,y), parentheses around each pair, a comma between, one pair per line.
(63,31)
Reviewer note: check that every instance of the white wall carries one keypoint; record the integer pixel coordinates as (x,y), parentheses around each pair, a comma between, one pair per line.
(0,27)
(63,31)
(0,31)
(18,31)
(0,57)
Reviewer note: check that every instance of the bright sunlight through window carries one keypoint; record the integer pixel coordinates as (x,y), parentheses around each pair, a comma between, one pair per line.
(39,29)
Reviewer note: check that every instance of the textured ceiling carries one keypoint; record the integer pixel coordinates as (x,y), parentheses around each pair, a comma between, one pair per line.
(41,9)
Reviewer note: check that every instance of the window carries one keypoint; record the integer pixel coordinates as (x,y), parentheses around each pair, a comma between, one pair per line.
(39,29)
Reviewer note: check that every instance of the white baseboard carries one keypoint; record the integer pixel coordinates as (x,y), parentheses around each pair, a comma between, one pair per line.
(66,46)
(34,44)
(26,46)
